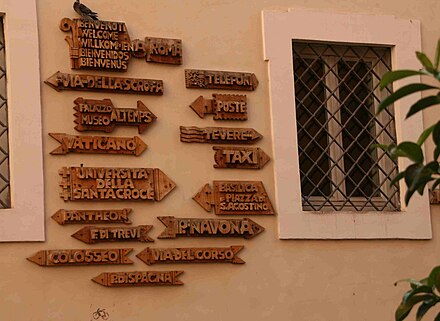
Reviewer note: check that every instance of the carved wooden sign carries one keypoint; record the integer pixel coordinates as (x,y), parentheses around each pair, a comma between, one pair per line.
(239,157)
(138,278)
(101,115)
(160,50)
(63,217)
(81,257)
(118,85)
(191,255)
(213,79)
(224,107)
(106,45)
(176,226)
(92,234)
(219,135)
(97,44)
(105,183)
(235,198)
(98,145)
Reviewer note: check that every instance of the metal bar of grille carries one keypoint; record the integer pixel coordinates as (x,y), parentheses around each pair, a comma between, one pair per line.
(338,85)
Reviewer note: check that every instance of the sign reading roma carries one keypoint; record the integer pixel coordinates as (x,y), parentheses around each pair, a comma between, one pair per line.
(105,183)
(235,197)
(177,226)
(81,257)
(101,115)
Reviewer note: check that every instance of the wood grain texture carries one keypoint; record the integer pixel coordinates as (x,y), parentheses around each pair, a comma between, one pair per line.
(219,135)
(224,107)
(239,157)
(109,216)
(93,234)
(215,79)
(139,278)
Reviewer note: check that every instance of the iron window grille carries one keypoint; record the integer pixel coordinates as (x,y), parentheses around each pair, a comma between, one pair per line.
(336,96)
(5,194)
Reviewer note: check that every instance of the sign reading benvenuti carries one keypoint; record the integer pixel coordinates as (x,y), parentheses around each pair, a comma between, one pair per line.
(106,45)
(104,183)
(235,198)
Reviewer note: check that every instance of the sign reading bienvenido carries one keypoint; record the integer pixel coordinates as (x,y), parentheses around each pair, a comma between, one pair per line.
(109,183)
(106,45)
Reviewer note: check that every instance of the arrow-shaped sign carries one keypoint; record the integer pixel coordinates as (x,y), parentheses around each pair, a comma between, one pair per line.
(98,145)
(101,115)
(215,79)
(109,183)
(208,227)
(138,278)
(240,157)
(191,255)
(235,198)
(81,257)
(224,107)
(219,135)
(92,216)
(119,85)
(92,234)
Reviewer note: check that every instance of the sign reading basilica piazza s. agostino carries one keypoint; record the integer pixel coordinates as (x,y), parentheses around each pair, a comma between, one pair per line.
(105,48)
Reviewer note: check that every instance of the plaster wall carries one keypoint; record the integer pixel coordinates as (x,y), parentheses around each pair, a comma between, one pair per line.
(281,280)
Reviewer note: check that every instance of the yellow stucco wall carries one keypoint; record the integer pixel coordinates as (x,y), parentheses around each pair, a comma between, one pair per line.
(281,280)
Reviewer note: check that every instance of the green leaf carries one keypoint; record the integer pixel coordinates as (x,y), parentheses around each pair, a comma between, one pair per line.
(421,289)
(437,55)
(383,147)
(392,76)
(436,134)
(436,183)
(434,276)
(423,308)
(424,135)
(402,92)
(404,309)
(413,282)
(423,104)
(411,150)
(426,62)
(397,178)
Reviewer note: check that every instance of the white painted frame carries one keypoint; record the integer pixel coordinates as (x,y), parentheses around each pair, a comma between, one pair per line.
(25,220)
(279,29)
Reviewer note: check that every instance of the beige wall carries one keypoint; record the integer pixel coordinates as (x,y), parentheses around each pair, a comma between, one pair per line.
(281,280)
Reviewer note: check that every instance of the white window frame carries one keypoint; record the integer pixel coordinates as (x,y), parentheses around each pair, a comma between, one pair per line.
(279,29)
(24,221)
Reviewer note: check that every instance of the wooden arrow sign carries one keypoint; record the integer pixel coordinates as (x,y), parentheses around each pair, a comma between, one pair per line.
(81,257)
(98,145)
(224,107)
(92,234)
(138,278)
(108,183)
(208,227)
(239,157)
(219,135)
(118,85)
(214,79)
(63,217)
(101,115)
(191,255)
(235,198)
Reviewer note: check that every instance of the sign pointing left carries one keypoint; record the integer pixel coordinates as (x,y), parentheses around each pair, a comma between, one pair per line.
(138,278)
(92,234)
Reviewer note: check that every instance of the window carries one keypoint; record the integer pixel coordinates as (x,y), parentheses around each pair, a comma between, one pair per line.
(336,96)
(23,220)
(328,183)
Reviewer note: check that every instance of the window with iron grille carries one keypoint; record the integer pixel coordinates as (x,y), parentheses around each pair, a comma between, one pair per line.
(5,197)
(336,96)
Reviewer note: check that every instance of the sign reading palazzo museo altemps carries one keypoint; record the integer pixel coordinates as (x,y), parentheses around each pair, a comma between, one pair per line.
(105,183)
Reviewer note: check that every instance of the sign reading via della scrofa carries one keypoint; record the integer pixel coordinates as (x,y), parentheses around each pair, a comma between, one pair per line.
(98,145)
(101,115)
(219,135)
(105,183)
(92,216)
(106,45)
(224,107)
(177,226)
(214,79)
(191,255)
(81,257)
(138,278)
(235,198)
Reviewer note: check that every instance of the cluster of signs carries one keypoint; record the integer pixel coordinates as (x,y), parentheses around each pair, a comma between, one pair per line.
(106,45)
